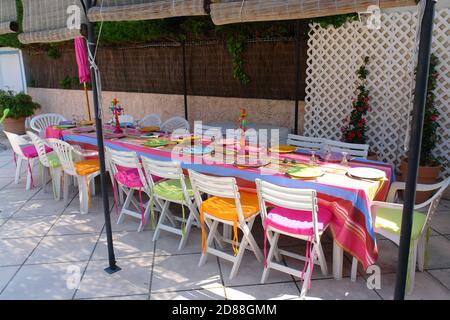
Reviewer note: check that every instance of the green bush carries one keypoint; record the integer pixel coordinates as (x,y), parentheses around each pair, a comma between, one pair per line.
(19,105)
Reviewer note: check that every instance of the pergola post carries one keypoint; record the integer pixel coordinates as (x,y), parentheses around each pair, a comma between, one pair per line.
(101,151)
(426,34)
(297,73)
(183,44)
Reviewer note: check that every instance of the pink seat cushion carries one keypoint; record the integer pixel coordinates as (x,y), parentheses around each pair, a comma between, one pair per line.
(130,178)
(29,151)
(297,221)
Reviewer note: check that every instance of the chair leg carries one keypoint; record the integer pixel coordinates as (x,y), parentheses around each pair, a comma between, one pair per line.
(67,182)
(29,184)
(129,195)
(239,257)
(146,217)
(83,194)
(18,169)
(92,187)
(189,223)
(273,240)
(44,176)
(322,259)
(421,248)
(161,220)
(246,228)
(308,273)
(56,176)
(412,271)
(354,272)
(209,240)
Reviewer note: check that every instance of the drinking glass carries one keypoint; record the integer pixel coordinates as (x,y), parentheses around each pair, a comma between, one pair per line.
(313,159)
(344,161)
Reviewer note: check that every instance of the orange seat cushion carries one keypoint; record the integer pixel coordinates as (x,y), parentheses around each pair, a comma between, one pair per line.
(86,167)
(225,208)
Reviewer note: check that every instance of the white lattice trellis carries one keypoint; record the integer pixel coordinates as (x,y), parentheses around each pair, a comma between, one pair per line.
(334,55)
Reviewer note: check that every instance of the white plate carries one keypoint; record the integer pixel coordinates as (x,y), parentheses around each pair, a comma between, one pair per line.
(366,173)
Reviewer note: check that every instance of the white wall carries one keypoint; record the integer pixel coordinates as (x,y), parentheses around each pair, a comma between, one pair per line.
(12,75)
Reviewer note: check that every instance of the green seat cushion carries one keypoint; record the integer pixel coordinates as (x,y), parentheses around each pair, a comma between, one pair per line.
(391,220)
(53,160)
(171,189)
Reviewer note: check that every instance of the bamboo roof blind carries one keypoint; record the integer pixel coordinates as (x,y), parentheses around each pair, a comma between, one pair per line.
(47,21)
(8,16)
(234,11)
(125,10)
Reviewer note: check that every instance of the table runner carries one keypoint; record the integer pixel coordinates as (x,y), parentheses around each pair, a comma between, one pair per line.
(349,199)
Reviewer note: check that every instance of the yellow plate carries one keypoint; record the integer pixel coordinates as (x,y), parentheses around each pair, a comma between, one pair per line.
(149,129)
(283,149)
(304,172)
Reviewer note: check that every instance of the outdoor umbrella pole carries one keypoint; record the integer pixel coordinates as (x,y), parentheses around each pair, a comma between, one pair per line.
(101,153)
(297,73)
(426,33)
(183,44)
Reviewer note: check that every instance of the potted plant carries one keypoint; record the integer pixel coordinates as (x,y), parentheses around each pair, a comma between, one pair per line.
(20,106)
(356,126)
(430,167)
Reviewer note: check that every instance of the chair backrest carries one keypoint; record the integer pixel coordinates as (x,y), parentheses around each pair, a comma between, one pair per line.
(352,149)
(39,144)
(207,132)
(305,142)
(16,141)
(125,160)
(291,198)
(64,151)
(126,118)
(42,121)
(172,124)
(150,120)
(225,187)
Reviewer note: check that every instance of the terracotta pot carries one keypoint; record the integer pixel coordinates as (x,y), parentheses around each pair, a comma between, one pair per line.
(14,126)
(372,156)
(427,175)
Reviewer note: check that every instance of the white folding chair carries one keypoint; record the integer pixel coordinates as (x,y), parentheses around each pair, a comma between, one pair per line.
(73,163)
(17,143)
(128,175)
(40,122)
(352,149)
(305,142)
(207,132)
(150,120)
(175,123)
(174,188)
(49,161)
(388,218)
(230,207)
(295,214)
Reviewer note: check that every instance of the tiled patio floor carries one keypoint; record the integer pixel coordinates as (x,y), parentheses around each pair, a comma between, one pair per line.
(44,244)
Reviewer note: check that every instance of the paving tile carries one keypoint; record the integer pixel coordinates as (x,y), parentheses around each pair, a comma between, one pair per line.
(132,297)
(128,223)
(441,222)
(64,249)
(175,273)
(45,194)
(168,243)
(16,251)
(4,182)
(127,244)
(204,294)
(35,208)
(442,275)
(344,289)
(27,227)
(425,288)
(44,281)
(77,223)
(9,207)
(438,253)
(96,205)
(274,291)
(133,279)
(6,273)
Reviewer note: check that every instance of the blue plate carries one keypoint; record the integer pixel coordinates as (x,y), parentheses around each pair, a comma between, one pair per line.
(198,150)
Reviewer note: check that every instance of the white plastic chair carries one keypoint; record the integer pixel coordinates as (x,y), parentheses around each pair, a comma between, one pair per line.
(392,216)
(224,188)
(175,123)
(150,120)
(124,165)
(69,156)
(173,179)
(126,118)
(55,171)
(352,149)
(292,199)
(305,142)
(16,142)
(40,122)
(207,132)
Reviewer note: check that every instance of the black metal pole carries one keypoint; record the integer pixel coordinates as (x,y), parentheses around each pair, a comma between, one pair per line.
(183,44)
(423,65)
(101,153)
(297,73)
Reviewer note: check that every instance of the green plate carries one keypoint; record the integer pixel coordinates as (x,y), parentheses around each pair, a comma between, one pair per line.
(65,126)
(154,143)
(304,172)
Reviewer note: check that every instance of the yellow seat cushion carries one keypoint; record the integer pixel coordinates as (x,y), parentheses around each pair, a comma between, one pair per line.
(391,220)
(225,208)
(86,167)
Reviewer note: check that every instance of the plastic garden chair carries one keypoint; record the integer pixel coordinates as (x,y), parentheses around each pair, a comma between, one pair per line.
(150,120)
(73,163)
(40,122)
(228,206)
(50,161)
(352,149)
(303,142)
(295,213)
(175,123)
(207,132)
(173,188)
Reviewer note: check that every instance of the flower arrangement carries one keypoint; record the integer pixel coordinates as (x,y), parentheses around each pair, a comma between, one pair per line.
(355,128)
(430,136)
(116,110)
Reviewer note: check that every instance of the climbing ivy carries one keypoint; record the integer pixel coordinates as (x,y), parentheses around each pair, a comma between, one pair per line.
(235,46)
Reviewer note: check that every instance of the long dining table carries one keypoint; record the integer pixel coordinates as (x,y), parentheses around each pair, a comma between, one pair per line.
(349,198)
